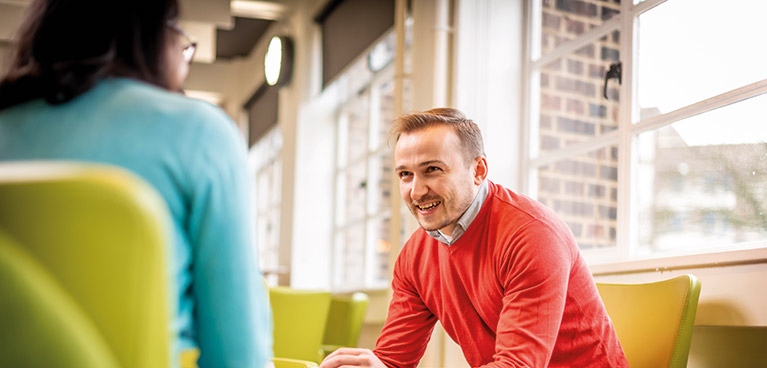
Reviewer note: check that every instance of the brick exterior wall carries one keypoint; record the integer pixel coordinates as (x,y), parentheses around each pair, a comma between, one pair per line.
(581,189)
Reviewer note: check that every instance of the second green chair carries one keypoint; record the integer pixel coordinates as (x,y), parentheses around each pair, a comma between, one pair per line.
(299,322)
(345,319)
(654,321)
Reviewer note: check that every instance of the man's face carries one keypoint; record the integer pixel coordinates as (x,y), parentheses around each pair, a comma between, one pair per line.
(435,181)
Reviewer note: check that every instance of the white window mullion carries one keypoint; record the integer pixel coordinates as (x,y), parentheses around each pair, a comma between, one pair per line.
(578,43)
(336,233)
(643,6)
(530,115)
(713,103)
(626,224)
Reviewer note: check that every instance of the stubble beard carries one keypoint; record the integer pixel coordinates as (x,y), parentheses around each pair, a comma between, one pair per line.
(447,211)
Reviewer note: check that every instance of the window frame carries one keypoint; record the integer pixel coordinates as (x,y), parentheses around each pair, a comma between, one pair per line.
(623,137)
(265,155)
(369,91)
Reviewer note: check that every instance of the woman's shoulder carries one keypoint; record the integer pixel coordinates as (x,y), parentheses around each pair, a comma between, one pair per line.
(165,110)
(150,98)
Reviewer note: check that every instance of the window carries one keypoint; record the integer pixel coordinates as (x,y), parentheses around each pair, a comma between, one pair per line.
(363,187)
(267,167)
(364,174)
(668,155)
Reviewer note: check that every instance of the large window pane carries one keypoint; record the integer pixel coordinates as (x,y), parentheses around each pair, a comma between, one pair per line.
(378,252)
(267,168)
(268,233)
(702,182)
(353,132)
(379,182)
(364,174)
(349,257)
(690,50)
(383,114)
(355,184)
(564,20)
(572,106)
(583,190)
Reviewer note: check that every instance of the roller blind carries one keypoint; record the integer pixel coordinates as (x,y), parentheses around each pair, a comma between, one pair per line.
(348,28)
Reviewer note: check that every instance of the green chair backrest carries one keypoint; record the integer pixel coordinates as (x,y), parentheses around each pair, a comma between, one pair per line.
(41,325)
(345,320)
(102,234)
(654,321)
(299,322)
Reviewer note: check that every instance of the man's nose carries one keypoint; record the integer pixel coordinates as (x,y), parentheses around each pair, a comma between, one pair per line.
(419,189)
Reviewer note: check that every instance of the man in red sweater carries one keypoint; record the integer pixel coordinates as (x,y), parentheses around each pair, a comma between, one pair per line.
(501,272)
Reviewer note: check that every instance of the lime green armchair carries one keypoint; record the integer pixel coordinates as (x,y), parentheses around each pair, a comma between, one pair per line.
(292,363)
(345,320)
(299,322)
(42,325)
(189,360)
(90,243)
(654,321)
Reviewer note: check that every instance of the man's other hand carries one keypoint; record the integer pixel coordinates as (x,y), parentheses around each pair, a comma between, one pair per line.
(349,357)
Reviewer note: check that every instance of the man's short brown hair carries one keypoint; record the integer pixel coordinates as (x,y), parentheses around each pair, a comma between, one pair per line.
(467,130)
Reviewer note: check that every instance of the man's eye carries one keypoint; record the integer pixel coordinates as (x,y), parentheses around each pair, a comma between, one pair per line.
(403,174)
(432,169)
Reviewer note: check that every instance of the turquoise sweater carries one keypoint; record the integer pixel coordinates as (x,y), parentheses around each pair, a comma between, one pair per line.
(191,152)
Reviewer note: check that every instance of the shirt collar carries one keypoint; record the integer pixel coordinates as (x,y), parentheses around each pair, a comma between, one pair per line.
(465,220)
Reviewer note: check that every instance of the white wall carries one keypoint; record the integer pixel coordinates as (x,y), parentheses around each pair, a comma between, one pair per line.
(314,169)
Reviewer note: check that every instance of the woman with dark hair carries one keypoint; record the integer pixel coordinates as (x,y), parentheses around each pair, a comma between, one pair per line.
(98,81)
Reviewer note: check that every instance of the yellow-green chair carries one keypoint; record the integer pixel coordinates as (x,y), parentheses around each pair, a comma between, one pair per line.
(35,312)
(345,319)
(292,363)
(654,321)
(91,241)
(299,322)
(189,360)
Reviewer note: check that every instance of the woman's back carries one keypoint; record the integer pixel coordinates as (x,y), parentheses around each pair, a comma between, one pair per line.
(193,155)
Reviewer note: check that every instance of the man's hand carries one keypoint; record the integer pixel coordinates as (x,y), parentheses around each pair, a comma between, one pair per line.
(349,357)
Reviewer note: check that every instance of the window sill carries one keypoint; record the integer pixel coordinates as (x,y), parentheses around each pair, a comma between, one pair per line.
(755,254)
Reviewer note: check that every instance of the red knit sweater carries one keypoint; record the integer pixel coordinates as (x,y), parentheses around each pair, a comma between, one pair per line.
(513,291)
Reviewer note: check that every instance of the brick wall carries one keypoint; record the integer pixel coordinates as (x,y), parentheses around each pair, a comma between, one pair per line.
(582,189)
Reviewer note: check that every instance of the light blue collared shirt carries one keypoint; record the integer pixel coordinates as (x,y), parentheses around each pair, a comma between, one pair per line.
(465,220)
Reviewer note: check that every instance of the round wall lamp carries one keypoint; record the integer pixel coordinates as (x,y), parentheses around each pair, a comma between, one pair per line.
(278,62)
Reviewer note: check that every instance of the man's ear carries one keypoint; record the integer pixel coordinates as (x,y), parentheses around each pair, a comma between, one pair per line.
(480,170)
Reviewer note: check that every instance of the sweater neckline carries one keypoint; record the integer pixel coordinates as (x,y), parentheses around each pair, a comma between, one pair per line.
(480,218)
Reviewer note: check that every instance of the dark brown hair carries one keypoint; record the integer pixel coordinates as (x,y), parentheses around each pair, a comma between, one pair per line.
(467,130)
(65,47)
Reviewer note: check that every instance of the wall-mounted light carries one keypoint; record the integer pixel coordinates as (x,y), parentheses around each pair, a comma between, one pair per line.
(278,62)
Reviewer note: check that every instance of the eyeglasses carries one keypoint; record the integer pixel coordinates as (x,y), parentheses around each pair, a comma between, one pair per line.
(190,46)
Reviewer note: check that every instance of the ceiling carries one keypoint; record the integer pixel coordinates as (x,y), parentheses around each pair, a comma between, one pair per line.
(224,29)
(238,41)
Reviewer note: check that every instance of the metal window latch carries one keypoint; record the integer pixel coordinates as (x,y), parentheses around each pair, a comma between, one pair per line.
(613,72)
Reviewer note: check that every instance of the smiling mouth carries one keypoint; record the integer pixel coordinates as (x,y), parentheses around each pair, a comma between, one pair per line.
(428,206)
